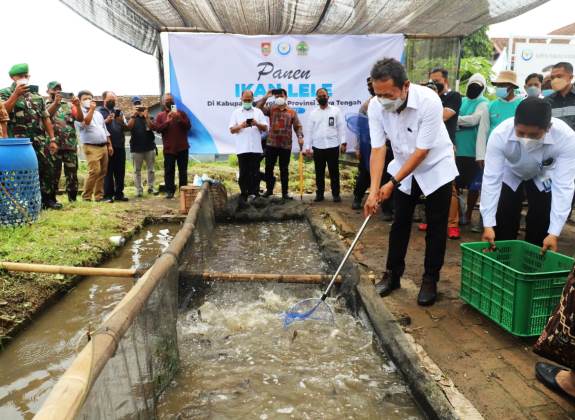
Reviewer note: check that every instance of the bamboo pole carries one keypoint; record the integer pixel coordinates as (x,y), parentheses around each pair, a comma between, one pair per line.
(66,269)
(263,277)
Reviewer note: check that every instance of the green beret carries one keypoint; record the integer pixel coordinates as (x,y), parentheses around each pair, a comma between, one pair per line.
(21,68)
(53,84)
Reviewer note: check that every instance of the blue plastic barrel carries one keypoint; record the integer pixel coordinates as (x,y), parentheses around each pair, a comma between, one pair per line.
(20,198)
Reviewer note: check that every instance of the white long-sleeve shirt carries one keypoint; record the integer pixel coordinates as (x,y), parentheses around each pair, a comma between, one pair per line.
(507,160)
(325,128)
(249,139)
(479,118)
(419,126)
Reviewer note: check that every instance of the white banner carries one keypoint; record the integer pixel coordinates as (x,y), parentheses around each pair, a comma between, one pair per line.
(538,58)
(208,72)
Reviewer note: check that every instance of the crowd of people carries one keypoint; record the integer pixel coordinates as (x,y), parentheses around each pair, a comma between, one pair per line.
(58,125)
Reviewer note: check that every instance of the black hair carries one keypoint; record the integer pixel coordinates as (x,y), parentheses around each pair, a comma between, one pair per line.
(532,75)
(84,92)
(565,65)
(324,89)
(443,71)
(534,112)
(389,68)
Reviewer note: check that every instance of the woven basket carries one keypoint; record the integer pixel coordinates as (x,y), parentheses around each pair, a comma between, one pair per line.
(218,195)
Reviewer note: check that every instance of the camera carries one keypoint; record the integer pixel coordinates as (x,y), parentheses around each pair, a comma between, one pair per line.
(117,113)
(33,88)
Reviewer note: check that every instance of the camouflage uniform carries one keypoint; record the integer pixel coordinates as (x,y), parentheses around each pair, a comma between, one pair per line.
(67,155)
(4,118)
(26,121)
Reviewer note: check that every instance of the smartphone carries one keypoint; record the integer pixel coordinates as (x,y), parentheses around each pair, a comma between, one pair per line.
(66,95)
(174,109)
(99,102)
(250,122)
(33,88)
(117,113)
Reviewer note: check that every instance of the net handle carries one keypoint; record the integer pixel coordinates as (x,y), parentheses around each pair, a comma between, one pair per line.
(346,256)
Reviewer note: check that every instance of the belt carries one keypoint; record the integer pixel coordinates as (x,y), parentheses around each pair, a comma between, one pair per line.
(96,145)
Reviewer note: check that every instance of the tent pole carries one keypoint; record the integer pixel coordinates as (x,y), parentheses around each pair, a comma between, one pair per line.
(160,57)
(457,72)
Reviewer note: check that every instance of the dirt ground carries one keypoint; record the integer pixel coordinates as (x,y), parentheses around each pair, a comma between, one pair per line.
(492,368)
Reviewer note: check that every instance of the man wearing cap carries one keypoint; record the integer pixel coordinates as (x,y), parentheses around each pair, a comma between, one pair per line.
(142,146)
(30,119)
(63,114)
(531,156)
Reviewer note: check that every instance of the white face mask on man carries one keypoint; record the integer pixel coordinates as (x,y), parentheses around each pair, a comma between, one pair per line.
(86,103)
(22,81)
(281,101)
(530,144)
(390,105)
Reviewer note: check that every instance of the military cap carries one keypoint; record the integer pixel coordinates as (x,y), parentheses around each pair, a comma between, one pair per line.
(18,69)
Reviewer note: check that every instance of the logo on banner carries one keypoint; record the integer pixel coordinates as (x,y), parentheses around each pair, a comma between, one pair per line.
(266,48)
(527,54)
(284,48)
(302,48)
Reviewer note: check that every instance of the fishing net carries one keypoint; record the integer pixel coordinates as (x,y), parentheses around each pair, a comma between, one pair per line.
(314,309)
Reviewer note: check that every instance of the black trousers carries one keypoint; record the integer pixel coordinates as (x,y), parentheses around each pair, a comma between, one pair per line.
(249,164)
(272,155)
(170,161)
(363,180)
(321,157)
(509,213)
(114,181)
(436,213)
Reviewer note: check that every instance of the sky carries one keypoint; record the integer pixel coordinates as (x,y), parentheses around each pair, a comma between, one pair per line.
(60,45)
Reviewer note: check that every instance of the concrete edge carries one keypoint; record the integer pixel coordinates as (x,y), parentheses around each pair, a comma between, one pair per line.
(434,391)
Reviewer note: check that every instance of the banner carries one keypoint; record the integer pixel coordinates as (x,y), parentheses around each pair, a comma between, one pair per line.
(208,73)
(539,58)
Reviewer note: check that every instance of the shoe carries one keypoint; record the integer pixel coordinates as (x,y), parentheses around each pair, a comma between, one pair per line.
(287,197)
(387,284)
(422,227)
(170,195)
(153,191)
(318,198)
(356,205)
(453,233)
(337,199)
(428,292)
(477,228)
(268,194)
(51,205)
(387,216)
(547,375)
(122,198)
(105,200)
(72,197)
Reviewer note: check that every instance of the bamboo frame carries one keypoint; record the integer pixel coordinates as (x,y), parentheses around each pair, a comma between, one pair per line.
(65,269)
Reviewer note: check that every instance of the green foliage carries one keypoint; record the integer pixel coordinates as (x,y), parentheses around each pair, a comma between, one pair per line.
(477,45)
(471,65)
(233,161)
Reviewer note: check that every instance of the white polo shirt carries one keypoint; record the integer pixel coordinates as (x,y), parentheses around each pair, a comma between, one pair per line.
(420,125)
(508,160)
(249,139)
(325,128)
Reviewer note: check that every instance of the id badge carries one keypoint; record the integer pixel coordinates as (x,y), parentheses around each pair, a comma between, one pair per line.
(546,182)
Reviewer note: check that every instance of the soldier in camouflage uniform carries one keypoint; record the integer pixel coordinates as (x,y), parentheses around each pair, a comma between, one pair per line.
(63,115)
(4,118)
(29,118)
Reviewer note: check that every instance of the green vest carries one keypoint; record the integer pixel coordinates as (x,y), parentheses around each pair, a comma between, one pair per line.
(466,137)
(500,110)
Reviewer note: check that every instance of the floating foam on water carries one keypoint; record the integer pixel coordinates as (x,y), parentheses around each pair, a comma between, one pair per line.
(286,410)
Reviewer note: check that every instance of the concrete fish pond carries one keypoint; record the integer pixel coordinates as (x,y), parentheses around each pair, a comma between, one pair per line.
(184,344)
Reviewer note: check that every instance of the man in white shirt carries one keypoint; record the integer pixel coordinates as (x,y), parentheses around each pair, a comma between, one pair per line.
(247,124)
(531,155)
(325,137)
(411,117)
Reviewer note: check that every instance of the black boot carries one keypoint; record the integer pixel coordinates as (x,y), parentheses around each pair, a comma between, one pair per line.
(427,292)
(388,284)
(356,205)
(318,198)
(51,205)
(72,196)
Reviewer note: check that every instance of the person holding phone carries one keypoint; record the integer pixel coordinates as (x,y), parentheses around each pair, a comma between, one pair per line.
(246,124)
(116,125)
(532,156)
(142,146)
(174,126)
(30,119)
(64,109)
(283,121)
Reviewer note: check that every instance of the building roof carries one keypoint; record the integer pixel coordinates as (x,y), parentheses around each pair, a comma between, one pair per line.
(569,30)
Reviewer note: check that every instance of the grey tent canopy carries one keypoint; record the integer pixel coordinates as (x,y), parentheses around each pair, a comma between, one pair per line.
(139,22)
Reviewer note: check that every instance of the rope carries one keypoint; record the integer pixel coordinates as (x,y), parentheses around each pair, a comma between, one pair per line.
(21,209)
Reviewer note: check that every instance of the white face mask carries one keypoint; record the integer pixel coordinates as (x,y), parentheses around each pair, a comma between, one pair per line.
(280,101)
(390,105)
(530,144)
(86,103)
(22,81)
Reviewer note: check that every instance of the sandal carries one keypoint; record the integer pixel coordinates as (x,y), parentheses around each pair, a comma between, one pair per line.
(547,374)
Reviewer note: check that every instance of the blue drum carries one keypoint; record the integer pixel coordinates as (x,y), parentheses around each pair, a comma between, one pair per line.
(20,198)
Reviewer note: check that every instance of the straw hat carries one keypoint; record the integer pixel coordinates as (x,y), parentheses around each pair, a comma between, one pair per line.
(506,76)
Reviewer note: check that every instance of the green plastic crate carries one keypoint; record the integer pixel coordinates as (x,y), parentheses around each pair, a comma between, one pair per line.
(515,286)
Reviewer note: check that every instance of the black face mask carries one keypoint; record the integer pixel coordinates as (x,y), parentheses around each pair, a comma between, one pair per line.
(322,101)
(110,104)
(474,90)
(439,86)
(169,104)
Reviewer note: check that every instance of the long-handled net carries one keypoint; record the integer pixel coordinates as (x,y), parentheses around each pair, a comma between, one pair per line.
(317,309)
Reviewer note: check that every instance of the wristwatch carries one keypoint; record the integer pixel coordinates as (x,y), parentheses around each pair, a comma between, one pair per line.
(395,182)
(52,139)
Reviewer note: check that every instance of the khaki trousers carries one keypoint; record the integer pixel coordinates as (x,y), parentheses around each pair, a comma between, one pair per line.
(97,159)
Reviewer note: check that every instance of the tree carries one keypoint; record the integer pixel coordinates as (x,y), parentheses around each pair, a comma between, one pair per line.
(477,44)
